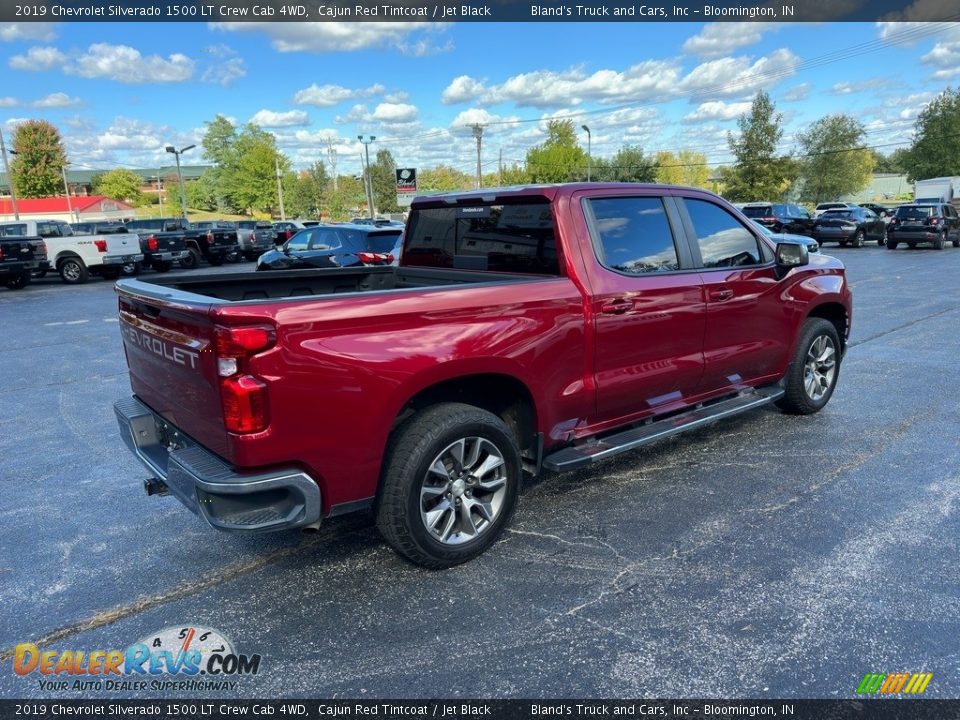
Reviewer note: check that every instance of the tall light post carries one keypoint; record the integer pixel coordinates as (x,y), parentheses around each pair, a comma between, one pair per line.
(478,134)
(368,184)
(6,167)
(66,189)
(589,153)
(183,195)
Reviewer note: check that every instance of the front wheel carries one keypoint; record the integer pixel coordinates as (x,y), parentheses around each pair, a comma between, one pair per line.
(73,271)
(858,239)
(19,282)
(450,482)
(814,369)
(192,260)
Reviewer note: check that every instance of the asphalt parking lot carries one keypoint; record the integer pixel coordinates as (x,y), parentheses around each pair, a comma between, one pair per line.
(768,556)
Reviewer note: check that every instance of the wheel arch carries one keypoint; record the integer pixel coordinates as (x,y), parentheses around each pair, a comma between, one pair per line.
(836,314)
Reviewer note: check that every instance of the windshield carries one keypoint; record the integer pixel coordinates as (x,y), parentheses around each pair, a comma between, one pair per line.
(839,214)
(757,211)
(916,212)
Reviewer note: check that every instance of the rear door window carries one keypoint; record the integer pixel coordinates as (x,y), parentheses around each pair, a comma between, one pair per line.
(757,211)
(722,240)
(632,235)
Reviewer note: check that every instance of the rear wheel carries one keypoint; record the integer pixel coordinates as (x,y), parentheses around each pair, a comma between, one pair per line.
(111,273)
(843,243)
(858,239)
(215,260)
(814,369)
(912,245)
(940,242)
(162,266)
(19,282)
(73,271)
(450,483)
(891,243)
(883,238)
(131,269)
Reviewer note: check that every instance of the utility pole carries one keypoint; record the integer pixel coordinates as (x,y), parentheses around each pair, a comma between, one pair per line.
(66,189)
(500,170)
(276,163)
(159,192)
(6,167)
(589,152)
(183,194)
(478,134)
(332,158)
(369,180)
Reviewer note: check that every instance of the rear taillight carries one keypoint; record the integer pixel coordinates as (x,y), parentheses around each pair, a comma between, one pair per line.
(1,253)
(101,245)
(894,221)
(243,395)
(209,238)
(370,258)
(244,404)
(934,221)
(768,220)
(289,234)
(152,244)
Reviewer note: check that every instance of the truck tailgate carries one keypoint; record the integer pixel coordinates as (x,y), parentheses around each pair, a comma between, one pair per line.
(121,243)
(173,367)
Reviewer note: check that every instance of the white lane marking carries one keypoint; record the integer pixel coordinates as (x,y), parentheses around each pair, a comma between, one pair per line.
(111,319)
(76,322)
(53,323)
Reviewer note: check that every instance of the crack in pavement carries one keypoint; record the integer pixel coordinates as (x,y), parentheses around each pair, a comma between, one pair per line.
(911,323)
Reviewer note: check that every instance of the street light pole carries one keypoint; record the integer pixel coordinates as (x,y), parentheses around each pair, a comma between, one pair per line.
(183,195)
(276,162)
(589,152)
(6,167)
(368,184)
(66,189)
(478,134)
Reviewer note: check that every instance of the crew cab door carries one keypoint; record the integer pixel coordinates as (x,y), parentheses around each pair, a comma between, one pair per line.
(749,327)
(647,305)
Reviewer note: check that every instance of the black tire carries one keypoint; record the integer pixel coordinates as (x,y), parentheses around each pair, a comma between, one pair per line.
(73,271)
(162,266)
(215,260)
(956,243)
(912,245)
(414,447)
(38,274)
(891,243)
(19,282)
(940,242)
(131,269)
(798,399)
(111,273)
(883,238)
(859,238)
(843,243)
(250,256)
(192,260)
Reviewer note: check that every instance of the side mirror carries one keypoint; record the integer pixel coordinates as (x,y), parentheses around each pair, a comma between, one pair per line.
(791,255)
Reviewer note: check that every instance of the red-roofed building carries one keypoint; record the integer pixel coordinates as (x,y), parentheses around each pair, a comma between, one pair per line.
(85,208)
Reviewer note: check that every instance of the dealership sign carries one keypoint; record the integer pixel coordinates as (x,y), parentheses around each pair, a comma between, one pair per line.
(406,186)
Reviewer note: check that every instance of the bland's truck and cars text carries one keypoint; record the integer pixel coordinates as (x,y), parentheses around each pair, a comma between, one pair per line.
(527,329)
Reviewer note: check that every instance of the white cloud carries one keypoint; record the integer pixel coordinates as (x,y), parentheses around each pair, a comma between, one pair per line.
(43,31)
(463,89)
(850,88)
(9,102)
(396,97)
(38,59)
(718,39)
(271,119)
(224,67)
(945,57)
(717,110)
(798,92)
(125,64)
(738,77)
(424,48)
(357,114)
(327,37)
(330,95)
(391,113)
(474,116)
(57,100)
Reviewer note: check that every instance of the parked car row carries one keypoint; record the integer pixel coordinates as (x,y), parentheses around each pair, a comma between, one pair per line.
(108,249)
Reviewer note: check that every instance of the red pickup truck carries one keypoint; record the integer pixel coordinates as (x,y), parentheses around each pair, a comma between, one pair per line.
(525,329)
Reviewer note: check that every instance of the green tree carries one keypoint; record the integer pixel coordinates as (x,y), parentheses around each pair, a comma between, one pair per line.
(249,180)
(219,140)
(40,158)
(758,173)
(202,192)
(384,175)
(559,158)
(892,163)
(344,202)
(119,184)
(687,167)
(443,178)
(304,191)
(936,145)
(834,161)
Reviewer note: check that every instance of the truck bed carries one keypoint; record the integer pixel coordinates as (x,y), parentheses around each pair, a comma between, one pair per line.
(282,284)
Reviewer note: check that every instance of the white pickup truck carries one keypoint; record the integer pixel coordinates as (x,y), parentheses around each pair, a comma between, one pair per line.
(76,257)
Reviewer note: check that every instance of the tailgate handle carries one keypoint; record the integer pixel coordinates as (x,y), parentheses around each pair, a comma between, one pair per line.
(616,307)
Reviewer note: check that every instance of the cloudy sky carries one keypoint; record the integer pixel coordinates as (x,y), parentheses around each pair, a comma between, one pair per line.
(119,92)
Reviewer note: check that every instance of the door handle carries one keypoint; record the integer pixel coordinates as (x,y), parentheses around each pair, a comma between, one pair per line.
(616,307)
(720,294)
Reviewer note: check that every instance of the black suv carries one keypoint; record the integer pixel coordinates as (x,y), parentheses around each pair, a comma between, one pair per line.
(781,217)
(934,223)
